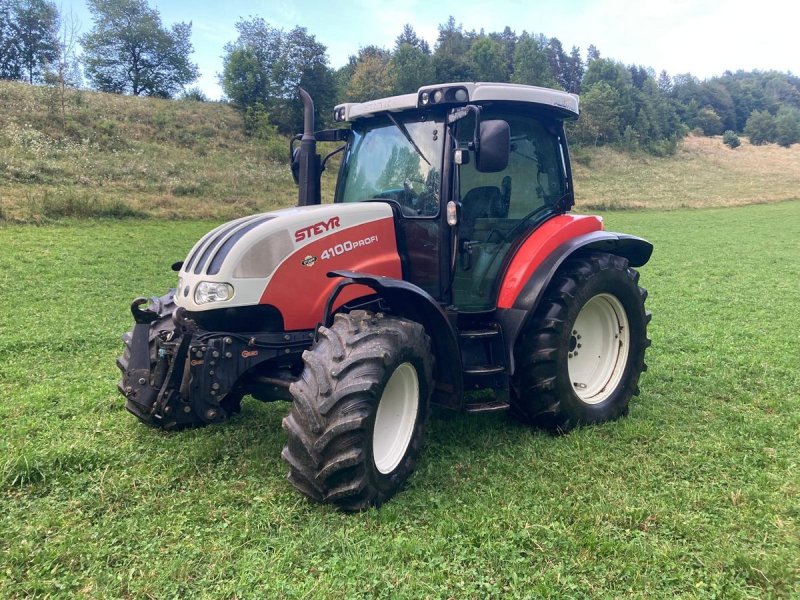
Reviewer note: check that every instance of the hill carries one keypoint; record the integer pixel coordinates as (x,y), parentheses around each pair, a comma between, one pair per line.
(116,156)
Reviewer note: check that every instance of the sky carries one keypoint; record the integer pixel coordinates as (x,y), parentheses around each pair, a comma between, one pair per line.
(702,37)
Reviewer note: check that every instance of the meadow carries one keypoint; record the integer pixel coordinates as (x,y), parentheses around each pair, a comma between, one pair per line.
(695,494)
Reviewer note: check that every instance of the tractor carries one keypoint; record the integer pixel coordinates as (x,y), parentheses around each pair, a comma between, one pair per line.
(448,271)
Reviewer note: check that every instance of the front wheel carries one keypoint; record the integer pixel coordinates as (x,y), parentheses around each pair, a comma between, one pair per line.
(579,359)
(360,409)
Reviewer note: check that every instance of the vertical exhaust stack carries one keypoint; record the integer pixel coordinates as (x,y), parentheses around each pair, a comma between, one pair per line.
(308,192)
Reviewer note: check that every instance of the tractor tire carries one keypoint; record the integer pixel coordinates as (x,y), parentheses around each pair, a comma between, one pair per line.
(579,358)
(360,410)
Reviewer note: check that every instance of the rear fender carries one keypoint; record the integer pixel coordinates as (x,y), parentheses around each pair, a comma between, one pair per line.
(514,317)
(412,302)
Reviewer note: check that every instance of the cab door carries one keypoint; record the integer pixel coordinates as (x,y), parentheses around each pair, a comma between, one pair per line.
(495,209)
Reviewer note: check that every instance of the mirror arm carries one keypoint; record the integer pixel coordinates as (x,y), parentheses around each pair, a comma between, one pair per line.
(330,154)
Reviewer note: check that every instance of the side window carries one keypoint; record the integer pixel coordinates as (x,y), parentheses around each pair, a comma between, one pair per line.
(494,204)
(532,180)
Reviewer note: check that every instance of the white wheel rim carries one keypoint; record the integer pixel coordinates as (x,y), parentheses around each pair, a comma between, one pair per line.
(598,348)
(395,418)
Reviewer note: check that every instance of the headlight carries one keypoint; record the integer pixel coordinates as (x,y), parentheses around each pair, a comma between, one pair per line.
(212,291)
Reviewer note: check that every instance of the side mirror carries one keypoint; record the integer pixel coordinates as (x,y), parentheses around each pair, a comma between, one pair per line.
(494,146)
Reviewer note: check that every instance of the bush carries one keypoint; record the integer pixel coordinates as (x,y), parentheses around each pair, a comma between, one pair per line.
(730,139)
(194,94)
(787,126)
(760,127)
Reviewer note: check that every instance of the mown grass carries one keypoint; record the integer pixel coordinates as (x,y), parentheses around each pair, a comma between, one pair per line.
(695,494)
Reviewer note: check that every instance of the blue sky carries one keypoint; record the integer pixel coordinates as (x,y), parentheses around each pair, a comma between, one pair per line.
(703,37)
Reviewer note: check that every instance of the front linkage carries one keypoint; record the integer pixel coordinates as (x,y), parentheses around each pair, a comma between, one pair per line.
(176,375)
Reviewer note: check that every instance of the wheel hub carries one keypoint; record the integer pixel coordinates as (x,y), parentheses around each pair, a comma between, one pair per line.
(598,348)
(395,418)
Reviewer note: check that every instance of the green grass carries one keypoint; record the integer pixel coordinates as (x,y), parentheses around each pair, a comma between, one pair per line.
(695,494)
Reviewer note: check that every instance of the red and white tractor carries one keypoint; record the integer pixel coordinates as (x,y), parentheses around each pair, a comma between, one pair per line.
(447,263)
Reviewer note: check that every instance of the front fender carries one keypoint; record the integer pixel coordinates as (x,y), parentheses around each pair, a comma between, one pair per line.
(412,302)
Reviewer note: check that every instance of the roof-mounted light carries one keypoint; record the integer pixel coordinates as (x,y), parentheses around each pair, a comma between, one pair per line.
(443,96)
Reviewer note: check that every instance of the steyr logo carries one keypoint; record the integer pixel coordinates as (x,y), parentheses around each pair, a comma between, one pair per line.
(316,229)
(309,261)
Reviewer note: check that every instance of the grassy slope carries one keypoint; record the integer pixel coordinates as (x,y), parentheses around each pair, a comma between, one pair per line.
(695,494)
(120,156)
(703,173)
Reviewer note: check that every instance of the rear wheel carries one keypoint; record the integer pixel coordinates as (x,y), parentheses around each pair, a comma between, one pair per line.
(360,408)
(580,357)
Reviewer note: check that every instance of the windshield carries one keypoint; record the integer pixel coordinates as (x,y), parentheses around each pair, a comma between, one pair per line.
(395,158)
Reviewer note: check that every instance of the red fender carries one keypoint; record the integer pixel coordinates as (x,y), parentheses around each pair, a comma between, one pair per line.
(537,247)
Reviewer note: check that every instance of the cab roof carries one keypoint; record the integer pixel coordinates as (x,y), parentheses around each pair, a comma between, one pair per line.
(459,94)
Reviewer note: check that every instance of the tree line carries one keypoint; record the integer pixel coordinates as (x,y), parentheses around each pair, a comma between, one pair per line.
(129,50)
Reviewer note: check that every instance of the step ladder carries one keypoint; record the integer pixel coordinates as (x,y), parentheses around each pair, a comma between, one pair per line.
(483,357)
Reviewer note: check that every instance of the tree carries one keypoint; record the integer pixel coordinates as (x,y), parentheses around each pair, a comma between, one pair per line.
(708,120)
(575,70)
(130,51)
(508,40)
(559,62)
(531,66)
(760,128)
(10,67)
(664,82)
(486,58)
(730,139)
(600,119)
(411,68)
(410,37)
(787,126)
(449,57)
(372,77)
(28,38)
(264,67)
(65,71)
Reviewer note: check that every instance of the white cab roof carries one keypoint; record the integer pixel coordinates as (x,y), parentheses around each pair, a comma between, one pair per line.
(478,92)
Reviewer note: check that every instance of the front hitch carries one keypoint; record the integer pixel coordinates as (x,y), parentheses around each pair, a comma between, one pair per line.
(143,317)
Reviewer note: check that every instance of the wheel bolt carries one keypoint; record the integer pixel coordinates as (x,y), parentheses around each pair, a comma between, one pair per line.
(142,381)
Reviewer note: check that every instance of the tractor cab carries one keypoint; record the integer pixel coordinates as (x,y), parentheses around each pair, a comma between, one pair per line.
(469,168)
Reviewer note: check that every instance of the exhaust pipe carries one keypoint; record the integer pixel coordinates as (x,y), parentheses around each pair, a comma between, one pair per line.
(308,191)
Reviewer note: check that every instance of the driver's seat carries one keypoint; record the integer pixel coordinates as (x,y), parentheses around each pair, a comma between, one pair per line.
(483,202)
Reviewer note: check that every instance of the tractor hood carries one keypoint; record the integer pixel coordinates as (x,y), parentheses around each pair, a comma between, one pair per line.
(234,264)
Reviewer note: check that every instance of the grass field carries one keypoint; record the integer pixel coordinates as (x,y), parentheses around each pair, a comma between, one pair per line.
(695,494)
